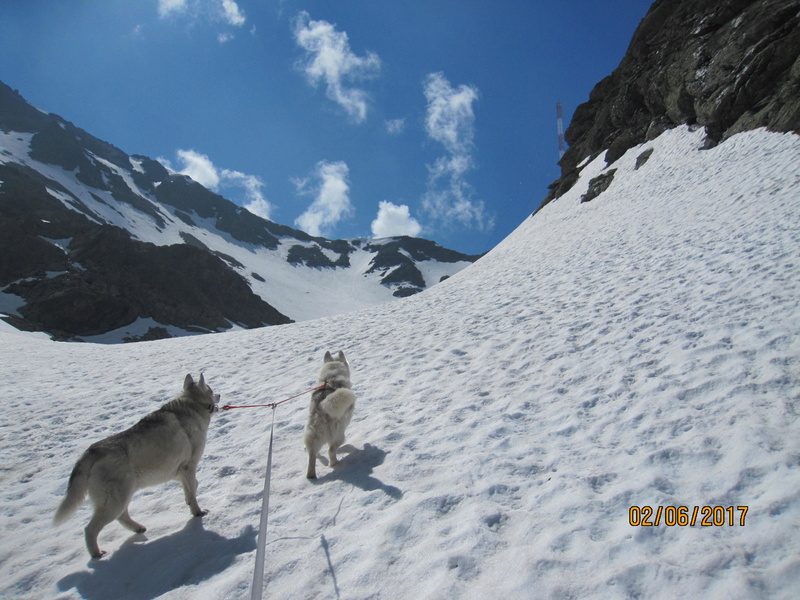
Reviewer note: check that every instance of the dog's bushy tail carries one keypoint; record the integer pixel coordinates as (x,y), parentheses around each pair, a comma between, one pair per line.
(337,402)
(76,490)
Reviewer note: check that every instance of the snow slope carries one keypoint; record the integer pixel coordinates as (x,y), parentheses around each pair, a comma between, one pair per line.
(642,349)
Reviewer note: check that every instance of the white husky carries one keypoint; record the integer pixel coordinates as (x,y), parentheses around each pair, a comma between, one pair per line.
(330,411)
(166,444)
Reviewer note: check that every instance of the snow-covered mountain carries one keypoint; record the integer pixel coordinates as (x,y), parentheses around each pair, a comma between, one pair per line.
(102,246)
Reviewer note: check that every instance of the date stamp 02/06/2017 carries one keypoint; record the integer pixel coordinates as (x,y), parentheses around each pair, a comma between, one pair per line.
(684,516)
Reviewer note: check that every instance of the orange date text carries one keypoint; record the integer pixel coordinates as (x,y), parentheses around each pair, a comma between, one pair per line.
(685,516)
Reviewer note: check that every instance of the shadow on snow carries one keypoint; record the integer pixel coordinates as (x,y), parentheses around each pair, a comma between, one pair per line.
(143,570)
(356,469)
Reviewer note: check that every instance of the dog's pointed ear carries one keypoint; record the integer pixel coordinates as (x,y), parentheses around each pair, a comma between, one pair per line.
(328,357)
(188,382)
(341,357)
(202,382)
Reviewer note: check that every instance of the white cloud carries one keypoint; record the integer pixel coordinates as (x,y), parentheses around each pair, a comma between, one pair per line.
(260,208)
(171,7)
(395,126)
(232,14)
(455,204)
(394,220)
(252,184)
(330,60)
(450,120)
(331,198)
(200,168)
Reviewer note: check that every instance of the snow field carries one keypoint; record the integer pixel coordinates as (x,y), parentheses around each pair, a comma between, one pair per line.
(642,349)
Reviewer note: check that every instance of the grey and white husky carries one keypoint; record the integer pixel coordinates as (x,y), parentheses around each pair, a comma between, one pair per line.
(165,445)
(330,411)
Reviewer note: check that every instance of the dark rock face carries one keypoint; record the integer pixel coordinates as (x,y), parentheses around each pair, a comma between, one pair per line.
(396,261)
(419,249)
(313,256)
(598,185)
(26,227)
(81,278)
(643,158)
(187,196)
(111,280)
(726,65)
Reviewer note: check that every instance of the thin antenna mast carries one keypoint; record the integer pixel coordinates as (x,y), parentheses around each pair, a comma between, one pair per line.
(562,146)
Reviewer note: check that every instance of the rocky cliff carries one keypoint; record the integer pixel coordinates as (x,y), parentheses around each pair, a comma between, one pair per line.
(726,65)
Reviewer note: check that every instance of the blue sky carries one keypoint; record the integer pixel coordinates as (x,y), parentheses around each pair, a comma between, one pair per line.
(344,118)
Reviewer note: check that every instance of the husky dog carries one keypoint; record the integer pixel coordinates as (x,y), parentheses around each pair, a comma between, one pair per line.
(330,411)
(166,444)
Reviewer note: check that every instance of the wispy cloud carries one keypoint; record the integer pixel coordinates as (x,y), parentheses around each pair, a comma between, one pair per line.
(253,185)
(226,12)
(168,8)
(394,220)
(246,189)
(329,59)
(450,120)
(331,191)
(396,126)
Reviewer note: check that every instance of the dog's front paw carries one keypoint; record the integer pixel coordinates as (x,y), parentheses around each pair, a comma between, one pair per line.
(202,513)
(99,555)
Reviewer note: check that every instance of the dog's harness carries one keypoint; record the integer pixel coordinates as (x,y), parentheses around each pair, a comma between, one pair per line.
(322,392)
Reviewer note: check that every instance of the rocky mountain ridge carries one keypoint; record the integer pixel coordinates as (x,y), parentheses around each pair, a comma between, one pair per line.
(96,241)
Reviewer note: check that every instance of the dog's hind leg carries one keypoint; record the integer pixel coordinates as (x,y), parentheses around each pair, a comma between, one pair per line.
(311,473)
(313,445)
(104,513)
(333,447)
(332,454)
(92,531)
(126,521)
(188,480)
(110,497)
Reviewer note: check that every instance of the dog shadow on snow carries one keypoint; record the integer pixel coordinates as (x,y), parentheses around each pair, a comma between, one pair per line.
(356,469)
(142,570)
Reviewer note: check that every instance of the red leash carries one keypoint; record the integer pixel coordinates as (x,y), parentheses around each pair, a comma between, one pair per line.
(274,404)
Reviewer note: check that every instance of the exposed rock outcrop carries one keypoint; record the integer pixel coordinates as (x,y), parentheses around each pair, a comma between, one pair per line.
(726,65)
